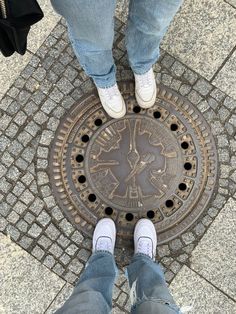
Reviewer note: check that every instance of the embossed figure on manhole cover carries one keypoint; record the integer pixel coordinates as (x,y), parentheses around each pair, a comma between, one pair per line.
(159,163)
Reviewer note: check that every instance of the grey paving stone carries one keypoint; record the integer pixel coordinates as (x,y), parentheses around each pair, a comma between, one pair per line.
(192,292)
(72,249)
(70,277)
(77,237)
(66,226)
(84,255)
(37,252)
(45,190)
(44,241)
(76,266)
(40,117)
(58,269)
(4,185)
(188,237)
(3,171)
(163,250)
(65,259)
(52,232)
(50,201)
(11,199)
(46,137)
(65,86)
(19,207)
(5,121)
(5,209)
(24,138)
(22,226)
(27,197)
(56,213)
(49,261)
(13,217)
(15,148)
(3,223)
(175,245)
(186,37)
(214,257)
(30,108)
(13,232)
(4,142)
(56,250)
(43,218)
(25,242)
(7,159)
(63,241)
(35,230)
(21,163)
(42,178)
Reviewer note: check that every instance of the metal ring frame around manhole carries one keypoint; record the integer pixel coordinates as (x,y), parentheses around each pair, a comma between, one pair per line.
(159,163)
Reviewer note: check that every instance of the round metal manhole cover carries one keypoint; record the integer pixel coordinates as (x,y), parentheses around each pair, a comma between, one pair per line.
(159,163)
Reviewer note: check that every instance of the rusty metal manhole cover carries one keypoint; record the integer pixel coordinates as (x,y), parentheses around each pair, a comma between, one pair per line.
(159,163)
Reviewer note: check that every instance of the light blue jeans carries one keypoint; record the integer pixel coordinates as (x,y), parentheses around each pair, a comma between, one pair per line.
(91,31)
(93,293)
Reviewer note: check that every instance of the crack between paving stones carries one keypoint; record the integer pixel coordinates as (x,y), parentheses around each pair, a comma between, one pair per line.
(55,296)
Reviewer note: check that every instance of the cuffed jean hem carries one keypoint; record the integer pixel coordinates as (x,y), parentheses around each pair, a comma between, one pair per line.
(143,70)
(153,305)
(103,83)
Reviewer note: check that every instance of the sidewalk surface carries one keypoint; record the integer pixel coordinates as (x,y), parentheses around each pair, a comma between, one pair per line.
(41,253)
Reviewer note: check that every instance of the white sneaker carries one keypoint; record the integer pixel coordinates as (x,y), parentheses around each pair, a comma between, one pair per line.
(145,238)
(104,236)
(112,101)
(145,89)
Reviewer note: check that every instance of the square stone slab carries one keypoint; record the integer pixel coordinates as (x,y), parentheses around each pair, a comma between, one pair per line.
(226,78)
(202,35)
(26,286)
(196,296)
(214,257)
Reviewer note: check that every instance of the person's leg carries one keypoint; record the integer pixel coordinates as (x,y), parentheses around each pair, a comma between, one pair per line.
(148,290)
(93,292)
(147,23)
(91,31)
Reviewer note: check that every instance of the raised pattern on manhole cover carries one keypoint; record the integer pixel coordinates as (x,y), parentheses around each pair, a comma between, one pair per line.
(159,163)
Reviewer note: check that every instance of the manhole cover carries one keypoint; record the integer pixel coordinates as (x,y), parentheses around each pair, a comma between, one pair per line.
(159,163)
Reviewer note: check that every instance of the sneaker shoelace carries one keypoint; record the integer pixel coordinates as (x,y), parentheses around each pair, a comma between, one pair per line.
(104,244)
(145,246)
(111,91)
(145,80)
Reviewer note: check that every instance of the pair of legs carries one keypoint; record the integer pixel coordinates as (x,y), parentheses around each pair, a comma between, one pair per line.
(91,30)
(148,289)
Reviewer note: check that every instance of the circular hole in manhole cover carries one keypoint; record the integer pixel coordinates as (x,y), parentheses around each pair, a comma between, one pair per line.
(160,164)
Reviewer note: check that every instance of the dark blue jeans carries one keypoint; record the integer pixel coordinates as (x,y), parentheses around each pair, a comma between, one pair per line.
(149,293)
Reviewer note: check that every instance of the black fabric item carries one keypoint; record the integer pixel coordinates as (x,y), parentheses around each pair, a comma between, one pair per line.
(21,14)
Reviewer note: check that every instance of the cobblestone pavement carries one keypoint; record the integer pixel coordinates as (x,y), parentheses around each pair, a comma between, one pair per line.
(30,112)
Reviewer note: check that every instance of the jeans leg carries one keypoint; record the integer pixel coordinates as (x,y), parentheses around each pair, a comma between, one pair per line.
(148,290)
(93,292)
(147,23)
(91,31)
